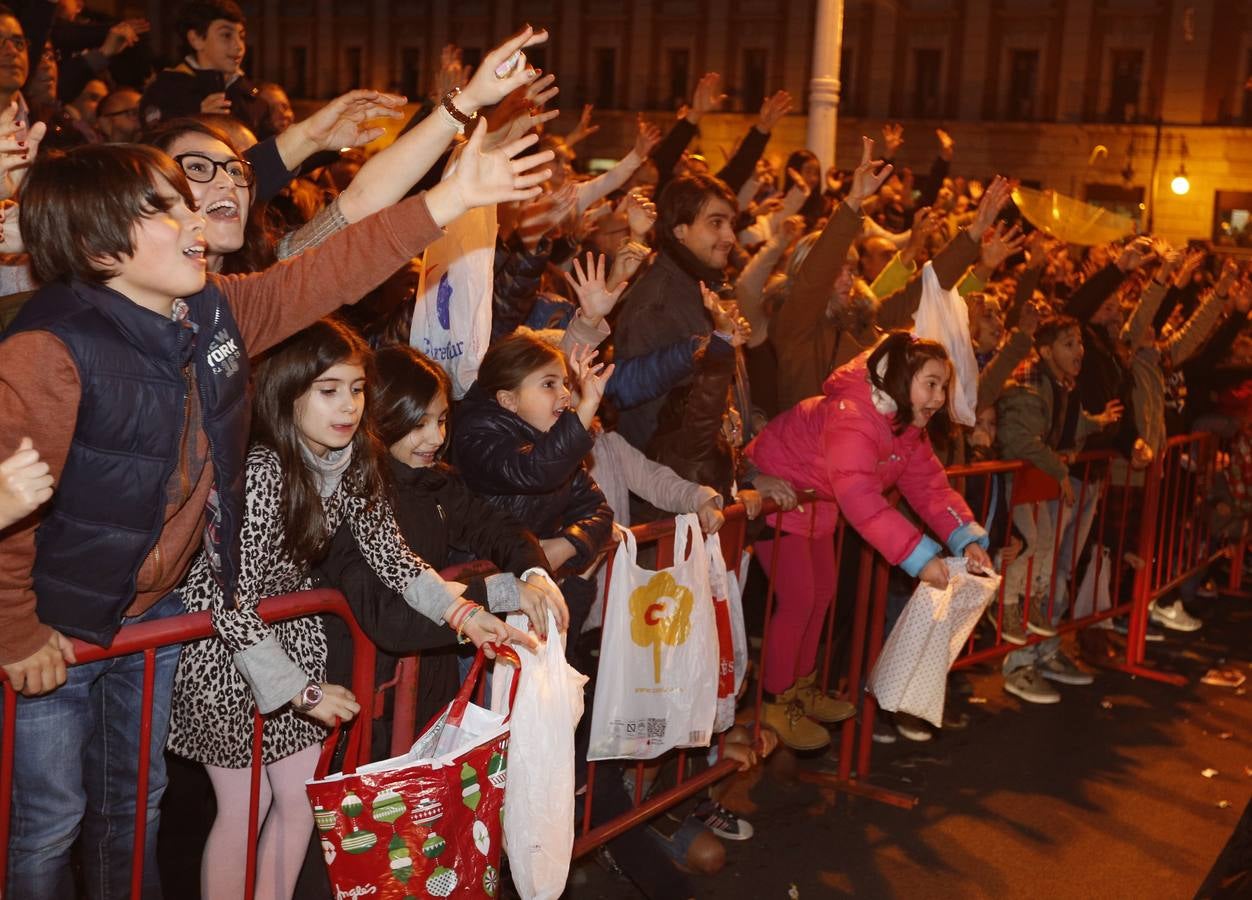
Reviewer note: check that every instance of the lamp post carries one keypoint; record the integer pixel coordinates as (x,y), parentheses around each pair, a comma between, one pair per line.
(824,85)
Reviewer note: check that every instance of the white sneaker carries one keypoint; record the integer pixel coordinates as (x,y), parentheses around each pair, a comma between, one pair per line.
(1175,617)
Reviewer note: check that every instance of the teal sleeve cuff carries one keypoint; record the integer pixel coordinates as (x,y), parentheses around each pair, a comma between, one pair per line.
(926,550)
(969,533)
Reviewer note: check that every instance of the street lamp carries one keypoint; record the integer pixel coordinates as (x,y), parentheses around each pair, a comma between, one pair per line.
(1181,184)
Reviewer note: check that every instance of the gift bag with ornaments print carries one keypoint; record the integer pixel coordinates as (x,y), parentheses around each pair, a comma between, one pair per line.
(425,824)
(656,687)
(911,674)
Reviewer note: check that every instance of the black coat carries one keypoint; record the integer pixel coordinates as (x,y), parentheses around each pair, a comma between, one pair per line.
(437,514)
(537,476)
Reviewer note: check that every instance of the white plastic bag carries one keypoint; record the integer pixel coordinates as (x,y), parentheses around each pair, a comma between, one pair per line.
(539,800)
(657,683)
(732,637)
(911,674)
(452,316)
(1093,593)
(944,317)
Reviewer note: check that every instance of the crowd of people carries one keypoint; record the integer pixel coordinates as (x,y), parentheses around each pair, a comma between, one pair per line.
(211,396)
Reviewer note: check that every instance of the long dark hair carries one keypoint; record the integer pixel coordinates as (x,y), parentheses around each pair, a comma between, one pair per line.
(408,382)
(905,356)
(285,374)
(257,252)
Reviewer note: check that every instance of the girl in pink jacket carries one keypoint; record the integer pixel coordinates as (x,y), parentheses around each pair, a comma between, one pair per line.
(869,431)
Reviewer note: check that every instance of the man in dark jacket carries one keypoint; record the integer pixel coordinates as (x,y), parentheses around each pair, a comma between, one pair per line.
(210,78)
(664,306)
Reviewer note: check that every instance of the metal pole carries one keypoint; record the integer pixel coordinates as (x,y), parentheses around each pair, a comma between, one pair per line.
(824,86)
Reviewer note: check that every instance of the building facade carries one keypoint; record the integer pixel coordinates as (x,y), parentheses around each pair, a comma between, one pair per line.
(1100,99)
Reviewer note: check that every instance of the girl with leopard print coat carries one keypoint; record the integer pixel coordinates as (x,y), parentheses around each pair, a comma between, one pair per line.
(315,466)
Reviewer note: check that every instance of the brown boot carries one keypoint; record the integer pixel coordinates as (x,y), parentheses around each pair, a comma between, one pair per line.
(819,706)
(795,729)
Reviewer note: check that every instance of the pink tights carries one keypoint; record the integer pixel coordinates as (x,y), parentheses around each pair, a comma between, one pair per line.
(286,821)
(802,594)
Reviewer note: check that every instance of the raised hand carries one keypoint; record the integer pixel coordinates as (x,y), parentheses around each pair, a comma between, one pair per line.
(630,256)
(925,223)
(17,150)
(522,110)
(342,121)
(647,138)
(707,98)
(1028,321)
(868,177)
(946,144)
(123,35)
(503,71)
(584,129)
(1229,275)
(1135,254)
(594,297)
(451,74)
(993,200)
(640,215)
(774,108)
(483,177)
(892,139)
(1000,243)
(591,378)
(791,228)
(798,184)
(545,213)
(25,484)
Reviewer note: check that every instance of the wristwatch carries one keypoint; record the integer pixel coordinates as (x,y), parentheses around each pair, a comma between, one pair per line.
(310,697)
(461,119)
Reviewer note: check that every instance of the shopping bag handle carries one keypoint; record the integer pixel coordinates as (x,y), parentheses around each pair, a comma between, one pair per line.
(504,654)
(331,744)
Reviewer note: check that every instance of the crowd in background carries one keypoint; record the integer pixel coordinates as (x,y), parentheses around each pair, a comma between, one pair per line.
(664,338)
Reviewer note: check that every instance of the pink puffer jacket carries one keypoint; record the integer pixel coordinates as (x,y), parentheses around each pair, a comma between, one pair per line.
(842,446)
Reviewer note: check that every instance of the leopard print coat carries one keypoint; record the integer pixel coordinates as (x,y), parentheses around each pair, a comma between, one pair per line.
(213,709)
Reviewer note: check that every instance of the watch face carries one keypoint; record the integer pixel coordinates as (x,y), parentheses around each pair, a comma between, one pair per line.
(312,695)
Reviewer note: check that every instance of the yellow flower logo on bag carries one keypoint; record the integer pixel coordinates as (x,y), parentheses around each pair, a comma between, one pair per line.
(660,613)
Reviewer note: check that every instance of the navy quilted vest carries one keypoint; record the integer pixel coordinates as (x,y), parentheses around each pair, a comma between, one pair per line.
(109,505)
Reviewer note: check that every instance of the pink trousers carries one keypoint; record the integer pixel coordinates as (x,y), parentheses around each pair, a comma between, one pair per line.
(803,591)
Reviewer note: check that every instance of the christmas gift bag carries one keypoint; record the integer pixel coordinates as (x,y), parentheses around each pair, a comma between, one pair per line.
(911,673)
(732,637)
(656,686)
(425,824)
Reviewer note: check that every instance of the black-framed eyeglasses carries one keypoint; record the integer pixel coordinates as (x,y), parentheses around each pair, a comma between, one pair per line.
(16,41)
(202,169)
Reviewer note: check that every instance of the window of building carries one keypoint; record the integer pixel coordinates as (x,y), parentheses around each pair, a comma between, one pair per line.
(298,72)
(1232,219)
(605,62)
(752,84)
(927,82)
(679,77)
(410,71)
(351,69)
(1124,200)
(1125,85)
(1023,84)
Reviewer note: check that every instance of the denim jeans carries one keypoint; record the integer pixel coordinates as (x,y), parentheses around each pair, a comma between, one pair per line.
(76,763)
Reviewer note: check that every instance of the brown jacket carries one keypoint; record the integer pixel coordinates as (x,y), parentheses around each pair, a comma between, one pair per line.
(40,392)
(809,342)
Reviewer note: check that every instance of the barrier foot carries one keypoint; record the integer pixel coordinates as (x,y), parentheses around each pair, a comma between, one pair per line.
(860,789)
(1152,674)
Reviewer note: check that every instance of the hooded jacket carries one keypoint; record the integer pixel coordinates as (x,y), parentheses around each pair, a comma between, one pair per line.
(842,445)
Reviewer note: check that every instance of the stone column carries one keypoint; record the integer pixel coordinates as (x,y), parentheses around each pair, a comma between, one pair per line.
(824,85)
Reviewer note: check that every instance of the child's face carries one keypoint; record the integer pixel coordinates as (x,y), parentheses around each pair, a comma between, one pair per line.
(987,328)
(419,448)
(929,391)
(168,259)
(221,47)
(1064,354)
(329,412)
(541,398)
(984,433)
(225,205)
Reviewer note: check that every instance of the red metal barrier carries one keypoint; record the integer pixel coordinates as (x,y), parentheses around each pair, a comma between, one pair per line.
(145,638)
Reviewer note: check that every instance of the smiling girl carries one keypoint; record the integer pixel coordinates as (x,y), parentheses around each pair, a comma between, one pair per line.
(871,430)
(522,447)
(315,464)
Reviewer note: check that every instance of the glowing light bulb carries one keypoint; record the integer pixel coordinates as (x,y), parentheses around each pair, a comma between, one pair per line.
(1180,185)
